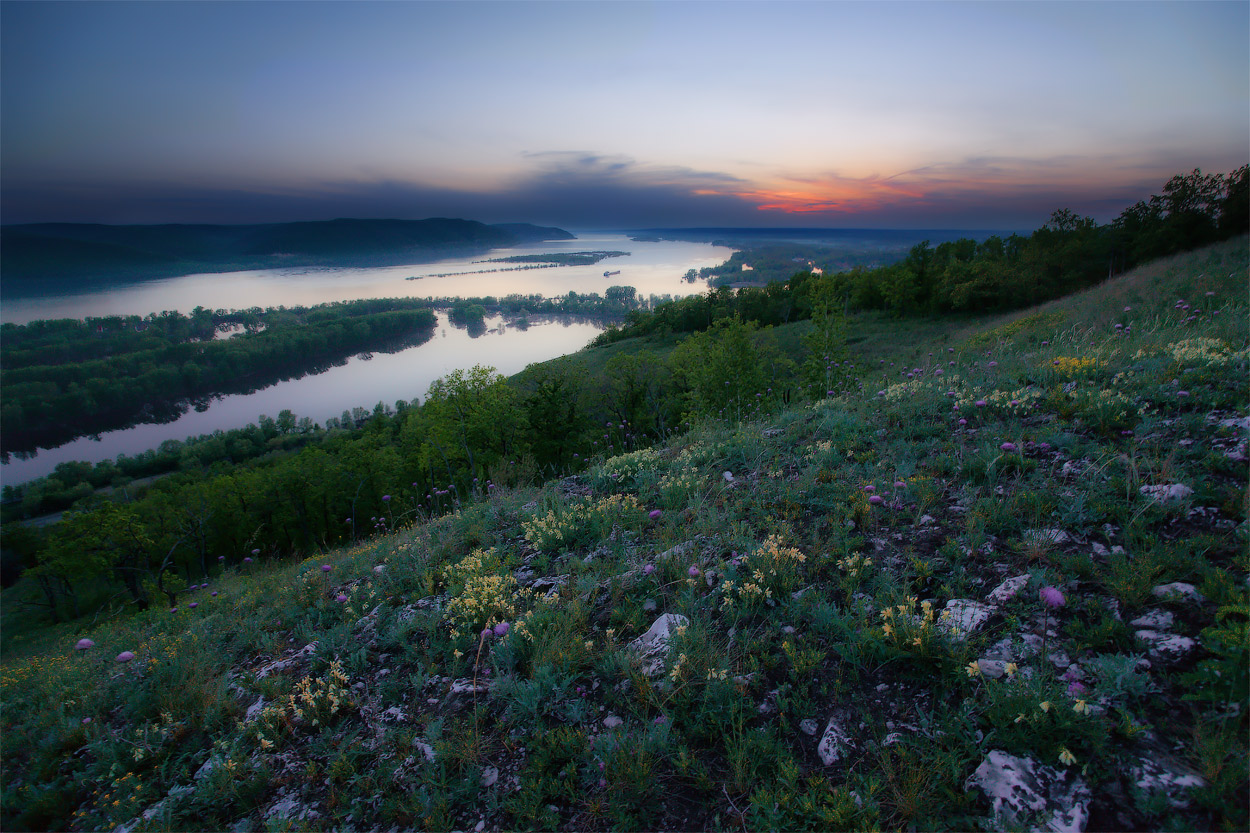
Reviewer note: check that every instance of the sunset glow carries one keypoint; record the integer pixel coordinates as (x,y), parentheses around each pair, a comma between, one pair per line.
(615,114)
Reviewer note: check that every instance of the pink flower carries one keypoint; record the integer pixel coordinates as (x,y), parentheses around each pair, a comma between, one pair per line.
(648,569)
(1051,597)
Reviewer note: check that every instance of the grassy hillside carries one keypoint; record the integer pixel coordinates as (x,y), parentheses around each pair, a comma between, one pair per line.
(1022,548)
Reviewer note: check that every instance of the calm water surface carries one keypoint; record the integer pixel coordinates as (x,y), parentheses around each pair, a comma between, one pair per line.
(363,381)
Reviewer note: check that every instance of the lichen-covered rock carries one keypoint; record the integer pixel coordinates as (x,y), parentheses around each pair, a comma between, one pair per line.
(1026,794)
(1007,591)
(1167,492)
(1178,591)
(835,743)
(963,616)
(1167,777)
(652,646)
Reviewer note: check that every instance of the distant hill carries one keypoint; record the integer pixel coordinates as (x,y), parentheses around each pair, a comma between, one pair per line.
(86,253)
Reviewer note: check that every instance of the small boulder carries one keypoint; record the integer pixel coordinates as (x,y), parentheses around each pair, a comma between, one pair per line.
(1166,492)
(1028,795)
(1178,591)
(652,646)
(964,616)
(1007,591)
(835,743)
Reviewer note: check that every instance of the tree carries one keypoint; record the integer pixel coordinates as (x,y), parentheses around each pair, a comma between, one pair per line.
(825,368)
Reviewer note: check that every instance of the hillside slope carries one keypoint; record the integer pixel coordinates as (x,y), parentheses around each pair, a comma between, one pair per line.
(1019,561)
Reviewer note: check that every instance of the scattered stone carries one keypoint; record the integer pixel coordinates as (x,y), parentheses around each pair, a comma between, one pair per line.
(1047,536)
(1166,645)
(288,807)
(1159,620)
(467,686)
(729,477)
(965,616)
(1167,492)
(489,776)
(652,646)
(835,743)
(1100,550)
(994,668)
(1007,591)
(1178,591)
(394,713)
(1025,793)
(809,727)
(253,711)
(549,584)
(649,605)
(424,748)
(612,721)
(1167,777)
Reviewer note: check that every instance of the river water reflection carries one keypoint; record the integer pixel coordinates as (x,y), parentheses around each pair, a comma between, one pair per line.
(363,381)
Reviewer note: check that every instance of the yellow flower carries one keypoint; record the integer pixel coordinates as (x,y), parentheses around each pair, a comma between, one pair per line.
(458,653)
(973,669)
(1065,757)
(1020,718)
(1081,707)
(1011,669)
(886,629)
(1044,705)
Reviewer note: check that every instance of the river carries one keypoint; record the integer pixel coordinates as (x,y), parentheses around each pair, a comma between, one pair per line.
(652,268)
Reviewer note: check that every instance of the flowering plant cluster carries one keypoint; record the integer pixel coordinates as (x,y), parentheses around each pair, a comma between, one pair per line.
(483,597)
(918,633)
(1071,367)
(771,571)
(1014,402)
(563,528)
(315,702)
(623,468)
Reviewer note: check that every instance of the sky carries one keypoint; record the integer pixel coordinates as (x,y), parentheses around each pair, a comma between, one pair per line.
(986,115)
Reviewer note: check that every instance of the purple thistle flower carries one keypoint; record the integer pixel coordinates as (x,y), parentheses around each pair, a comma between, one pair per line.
(325,568)
(84,644)
(655,514)
(648,569)
(386,498)
(981,403)
(963,422)
(876,500)
(693,572)
(125,656)
(256,551)
(502,628)
(1051,597)
(1008,447)
(341,597)
(194,605)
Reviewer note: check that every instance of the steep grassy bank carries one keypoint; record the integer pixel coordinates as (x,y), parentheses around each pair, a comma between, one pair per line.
(1027,545)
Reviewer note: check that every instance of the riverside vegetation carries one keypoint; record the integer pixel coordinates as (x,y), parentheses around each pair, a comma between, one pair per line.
(990,576)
